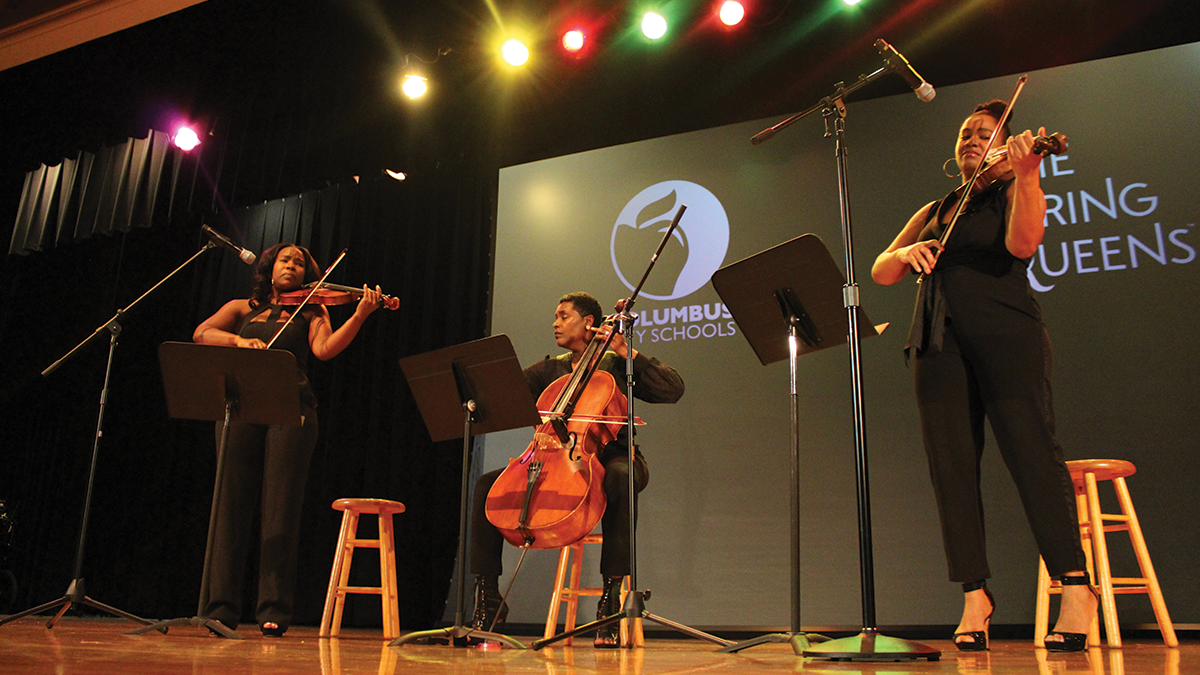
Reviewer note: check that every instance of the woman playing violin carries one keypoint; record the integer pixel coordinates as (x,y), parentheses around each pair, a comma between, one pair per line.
(267,466)
(577,319)
(983,351)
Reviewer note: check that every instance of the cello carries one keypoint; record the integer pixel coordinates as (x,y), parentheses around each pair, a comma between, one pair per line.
(552,495)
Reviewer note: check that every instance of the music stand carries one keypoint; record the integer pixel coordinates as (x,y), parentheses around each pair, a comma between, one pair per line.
(787,301)
(211,382)
(469,389)
(868,645)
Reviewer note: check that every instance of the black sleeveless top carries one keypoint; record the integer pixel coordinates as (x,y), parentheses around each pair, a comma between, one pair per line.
(978,284)
(294,339)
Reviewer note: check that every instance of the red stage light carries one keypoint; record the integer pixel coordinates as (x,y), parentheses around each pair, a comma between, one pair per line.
(574,40)
(731,12)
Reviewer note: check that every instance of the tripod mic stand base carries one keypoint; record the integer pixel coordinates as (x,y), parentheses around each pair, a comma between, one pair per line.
(456,635)
(76,595)
(799,641)
(215,627)
(634,608)
(869,645)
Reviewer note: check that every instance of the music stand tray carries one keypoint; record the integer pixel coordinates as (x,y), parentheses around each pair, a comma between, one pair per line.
(211,382)
(465,390)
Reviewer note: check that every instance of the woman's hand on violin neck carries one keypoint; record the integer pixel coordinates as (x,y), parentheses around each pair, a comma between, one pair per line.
(370,301)
(1022,160)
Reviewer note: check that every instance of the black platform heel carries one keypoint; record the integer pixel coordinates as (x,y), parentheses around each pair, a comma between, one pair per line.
(1071,642)
(978,638)
(490,609)
(609,637)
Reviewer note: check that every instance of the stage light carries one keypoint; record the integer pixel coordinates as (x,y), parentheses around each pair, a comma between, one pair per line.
(515,52)
(851,2)
(573,41)
(731,12)
(414,86)
(654,25)
(415,71)
(186,139)
(395,175)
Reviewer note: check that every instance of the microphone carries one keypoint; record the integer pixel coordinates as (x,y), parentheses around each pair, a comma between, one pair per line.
(900,65)
(221,240)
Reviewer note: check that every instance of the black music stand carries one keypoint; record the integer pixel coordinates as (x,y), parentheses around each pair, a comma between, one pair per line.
(787,301)
(869,644)
(469,389)
(210,382)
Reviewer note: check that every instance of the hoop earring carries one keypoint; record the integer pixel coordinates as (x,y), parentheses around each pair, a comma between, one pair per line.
(947,173)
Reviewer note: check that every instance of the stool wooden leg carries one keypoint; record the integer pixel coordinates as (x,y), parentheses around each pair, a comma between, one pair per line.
(347,554)
(1041,620)
(389,592)
(576,573)
(1085,540)
(631,631)
(556,598)
(1103,576)
(335,579)
(1143,557)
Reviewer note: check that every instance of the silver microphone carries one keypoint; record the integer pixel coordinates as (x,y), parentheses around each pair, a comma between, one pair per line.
(900,65)
(221,240)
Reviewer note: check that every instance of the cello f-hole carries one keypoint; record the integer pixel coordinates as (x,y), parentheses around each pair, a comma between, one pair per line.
(571,448)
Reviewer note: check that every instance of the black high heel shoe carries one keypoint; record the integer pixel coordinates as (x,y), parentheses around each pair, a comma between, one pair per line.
(1071,642)
(978,638)
(609,637)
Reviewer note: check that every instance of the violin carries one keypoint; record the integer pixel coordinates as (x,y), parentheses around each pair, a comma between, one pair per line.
(330,294)
(1054,144)
(553,494)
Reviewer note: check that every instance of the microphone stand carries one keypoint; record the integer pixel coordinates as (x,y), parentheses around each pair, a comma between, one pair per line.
(634,606)
(869,644)
(76,593)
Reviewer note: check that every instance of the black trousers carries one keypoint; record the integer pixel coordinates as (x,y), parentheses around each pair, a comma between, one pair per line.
(265,466)
(487,544)
(1005,377)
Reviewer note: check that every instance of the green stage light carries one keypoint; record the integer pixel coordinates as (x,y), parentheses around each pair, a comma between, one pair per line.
(654,25)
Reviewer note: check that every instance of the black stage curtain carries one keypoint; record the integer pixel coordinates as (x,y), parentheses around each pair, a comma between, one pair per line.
(426,241)
(95,193)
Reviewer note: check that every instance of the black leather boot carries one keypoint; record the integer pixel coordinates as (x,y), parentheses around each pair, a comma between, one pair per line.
(490,608)
(609,637)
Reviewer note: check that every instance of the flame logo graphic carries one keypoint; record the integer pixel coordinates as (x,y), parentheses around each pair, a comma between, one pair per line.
(697,247)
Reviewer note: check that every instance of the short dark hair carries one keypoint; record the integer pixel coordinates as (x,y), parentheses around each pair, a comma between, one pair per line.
(586,304)
(995,109)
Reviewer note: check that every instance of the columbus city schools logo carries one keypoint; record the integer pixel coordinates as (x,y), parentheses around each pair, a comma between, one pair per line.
(696,248)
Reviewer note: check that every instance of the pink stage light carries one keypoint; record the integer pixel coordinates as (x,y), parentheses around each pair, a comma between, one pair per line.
(186,139)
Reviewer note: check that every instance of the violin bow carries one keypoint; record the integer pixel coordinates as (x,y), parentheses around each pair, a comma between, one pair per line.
(303,302)
(958,209)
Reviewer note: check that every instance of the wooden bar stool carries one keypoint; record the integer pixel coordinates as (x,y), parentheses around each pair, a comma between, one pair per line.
(1086,473)
(339,577)
(568,591)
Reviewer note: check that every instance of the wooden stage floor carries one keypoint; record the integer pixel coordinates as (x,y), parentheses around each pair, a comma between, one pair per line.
(98,646)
